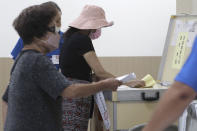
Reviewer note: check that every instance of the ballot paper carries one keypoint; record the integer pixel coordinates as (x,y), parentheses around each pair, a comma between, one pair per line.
(166,83)
(149,81)
(127,78)
(100,101)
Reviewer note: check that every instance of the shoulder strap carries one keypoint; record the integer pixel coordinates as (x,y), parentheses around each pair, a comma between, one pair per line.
(18,57)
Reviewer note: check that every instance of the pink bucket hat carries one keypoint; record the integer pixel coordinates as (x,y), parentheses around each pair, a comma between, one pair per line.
(91,17)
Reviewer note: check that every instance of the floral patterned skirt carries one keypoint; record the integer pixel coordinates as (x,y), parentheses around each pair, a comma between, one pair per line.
(76,112)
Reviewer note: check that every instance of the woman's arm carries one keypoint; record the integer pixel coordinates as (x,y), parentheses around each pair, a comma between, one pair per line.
(171,106)
(84,90)
(4,110)
(98,69)
(135,83)
(96,66)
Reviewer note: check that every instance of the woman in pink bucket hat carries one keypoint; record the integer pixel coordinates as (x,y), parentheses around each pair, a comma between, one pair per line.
(78,60)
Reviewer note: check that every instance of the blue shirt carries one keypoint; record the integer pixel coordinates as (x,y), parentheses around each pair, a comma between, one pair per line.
(188,73)
(54,54)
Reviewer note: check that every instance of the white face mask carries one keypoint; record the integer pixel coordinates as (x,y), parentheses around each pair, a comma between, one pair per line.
(57,29)
(52,42)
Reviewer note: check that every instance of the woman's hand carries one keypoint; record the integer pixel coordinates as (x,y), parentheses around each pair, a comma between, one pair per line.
(135,83)
(111,84)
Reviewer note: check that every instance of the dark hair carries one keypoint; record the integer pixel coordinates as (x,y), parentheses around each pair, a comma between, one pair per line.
(70,32)
(33,22)
(51,3)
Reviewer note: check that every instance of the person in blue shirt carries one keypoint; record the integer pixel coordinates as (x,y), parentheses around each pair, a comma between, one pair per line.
(178,97)
(54,55)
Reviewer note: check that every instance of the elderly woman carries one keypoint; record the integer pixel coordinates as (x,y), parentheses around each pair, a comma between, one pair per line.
(36,88)
(54,55)
(77,61)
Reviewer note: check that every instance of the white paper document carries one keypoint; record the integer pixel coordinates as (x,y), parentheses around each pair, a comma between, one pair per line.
(127,78)
(179,27)
(183,27)
(100,101)
(191,38)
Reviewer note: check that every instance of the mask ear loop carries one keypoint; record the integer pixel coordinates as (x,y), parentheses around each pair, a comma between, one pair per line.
(38,39)
(43,44)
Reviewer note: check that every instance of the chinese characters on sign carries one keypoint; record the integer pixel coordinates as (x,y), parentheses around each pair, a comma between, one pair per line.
(179,53)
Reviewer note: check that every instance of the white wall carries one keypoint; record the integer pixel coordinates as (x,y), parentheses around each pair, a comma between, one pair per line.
(140,25)
(186,7)
(194,5)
